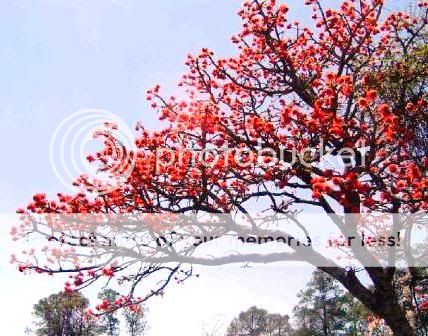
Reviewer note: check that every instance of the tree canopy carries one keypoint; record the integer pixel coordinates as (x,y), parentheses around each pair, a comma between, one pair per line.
(356,79)
(65,314)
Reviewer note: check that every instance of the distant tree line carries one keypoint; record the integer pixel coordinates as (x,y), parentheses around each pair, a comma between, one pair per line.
(326,309)
(68,314)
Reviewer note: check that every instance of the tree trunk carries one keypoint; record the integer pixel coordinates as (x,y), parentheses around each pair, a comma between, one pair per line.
(324,308)
(384,301)
(401,322)
(396,309)
(399,313)
(399,325)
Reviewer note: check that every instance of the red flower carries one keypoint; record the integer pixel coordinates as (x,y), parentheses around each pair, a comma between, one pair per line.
(363,103)
(108,271)
(371,95)
(68,289)
(384,110)
(369,202)
(393,168)
(423,306)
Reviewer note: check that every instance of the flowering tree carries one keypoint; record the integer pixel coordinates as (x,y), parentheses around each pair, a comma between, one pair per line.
(344,84)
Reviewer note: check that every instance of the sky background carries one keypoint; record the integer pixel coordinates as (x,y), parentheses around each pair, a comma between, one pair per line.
(60,56)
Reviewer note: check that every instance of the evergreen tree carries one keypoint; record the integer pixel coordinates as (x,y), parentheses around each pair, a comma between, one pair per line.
(321,306)
(135,319)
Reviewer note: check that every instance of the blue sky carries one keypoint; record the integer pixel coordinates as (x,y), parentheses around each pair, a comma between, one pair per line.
(57,57)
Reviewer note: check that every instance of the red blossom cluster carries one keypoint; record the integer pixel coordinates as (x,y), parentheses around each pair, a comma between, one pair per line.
(133,305)
(421,298)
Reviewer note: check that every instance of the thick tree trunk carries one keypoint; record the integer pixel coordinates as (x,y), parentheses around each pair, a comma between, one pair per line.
(399,312)
(399,325)
(400,320)
(396,309)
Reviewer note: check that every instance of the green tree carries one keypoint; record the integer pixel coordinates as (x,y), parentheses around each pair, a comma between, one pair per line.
(303,331)
(252,322)
(321,306)
(135,319)
(278,325)
(357,316)
(109,321)
(63,314)
(258,322)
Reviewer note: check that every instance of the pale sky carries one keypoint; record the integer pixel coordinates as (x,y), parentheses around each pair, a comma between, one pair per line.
(60,56)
